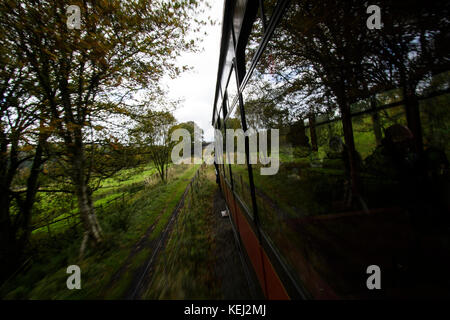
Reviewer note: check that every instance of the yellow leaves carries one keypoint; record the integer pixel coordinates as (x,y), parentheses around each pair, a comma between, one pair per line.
(50,55)
(72,126)
(27,148)
(47,129)
(115,146)
(119,110)
(98,127)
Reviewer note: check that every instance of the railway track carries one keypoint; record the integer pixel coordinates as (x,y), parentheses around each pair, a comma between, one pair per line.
(143,276)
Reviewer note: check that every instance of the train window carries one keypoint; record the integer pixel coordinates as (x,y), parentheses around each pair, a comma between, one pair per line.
(268,9)
(281,198)
(239,169)
(232,91)
(216,116)
(363,177)
(258,30)
(217,153)
(435,116)
(254,40)
(225,162)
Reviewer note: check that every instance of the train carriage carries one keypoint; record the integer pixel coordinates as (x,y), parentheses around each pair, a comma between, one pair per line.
(359,207)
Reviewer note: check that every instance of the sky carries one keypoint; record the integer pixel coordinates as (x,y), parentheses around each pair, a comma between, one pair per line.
(197,87)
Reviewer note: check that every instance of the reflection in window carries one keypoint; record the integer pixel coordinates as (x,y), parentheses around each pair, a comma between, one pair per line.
(239,170)
(269,8)
(232,90)
(254,41)
(364,159)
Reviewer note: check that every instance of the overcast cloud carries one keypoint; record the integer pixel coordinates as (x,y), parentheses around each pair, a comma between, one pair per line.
(197,87)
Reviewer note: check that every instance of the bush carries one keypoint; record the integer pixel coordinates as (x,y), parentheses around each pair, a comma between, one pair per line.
(301,152)
(118,218)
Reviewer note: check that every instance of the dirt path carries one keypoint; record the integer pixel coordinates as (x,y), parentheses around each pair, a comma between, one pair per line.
(142,275)
(138,247)
(237,280)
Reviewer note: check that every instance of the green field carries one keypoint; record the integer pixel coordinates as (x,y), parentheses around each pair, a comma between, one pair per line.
(140,203)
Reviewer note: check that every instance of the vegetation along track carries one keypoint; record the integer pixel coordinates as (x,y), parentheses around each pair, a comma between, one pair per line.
(143,274)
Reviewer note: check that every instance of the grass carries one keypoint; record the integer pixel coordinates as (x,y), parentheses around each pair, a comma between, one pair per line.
(111,189)
(185,268)
(123,223)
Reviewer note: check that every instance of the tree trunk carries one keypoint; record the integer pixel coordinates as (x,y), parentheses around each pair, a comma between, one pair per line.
(87,215)
(376,121)
(14,233)
(7,238)
(7,243)
(312,130)
(413,117)
(411,109)
(350,143)
(32,187)
(92,229)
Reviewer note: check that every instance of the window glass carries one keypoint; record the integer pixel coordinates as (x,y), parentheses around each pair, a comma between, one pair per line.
(363,154)
(254,40)
(232,91)
(269,8)
(238,163)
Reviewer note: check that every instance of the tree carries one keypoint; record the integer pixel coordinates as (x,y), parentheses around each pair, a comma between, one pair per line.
(85,77)
(24,132)
(234,123)
(322,56)
(195,132)
(262,112)
(152,136)
(414,45)
(297,135)
(318,52)
(196,138)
